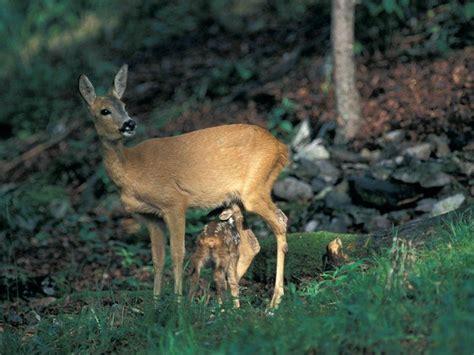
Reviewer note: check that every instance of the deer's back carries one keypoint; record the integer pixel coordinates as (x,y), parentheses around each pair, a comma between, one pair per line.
(207,166)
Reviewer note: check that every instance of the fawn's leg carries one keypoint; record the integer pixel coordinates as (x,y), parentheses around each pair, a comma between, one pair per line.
(197,261)
(219,279)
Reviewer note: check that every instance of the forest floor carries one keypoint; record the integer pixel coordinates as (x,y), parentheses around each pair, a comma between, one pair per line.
(264,80)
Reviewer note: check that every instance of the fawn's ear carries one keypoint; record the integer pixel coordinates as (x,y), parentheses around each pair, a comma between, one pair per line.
(86,89)
(120,81)
(226,214)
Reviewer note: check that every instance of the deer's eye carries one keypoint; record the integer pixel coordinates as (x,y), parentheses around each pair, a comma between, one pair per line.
(104,112)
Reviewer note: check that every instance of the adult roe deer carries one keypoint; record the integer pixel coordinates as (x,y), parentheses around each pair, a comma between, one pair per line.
(163,177)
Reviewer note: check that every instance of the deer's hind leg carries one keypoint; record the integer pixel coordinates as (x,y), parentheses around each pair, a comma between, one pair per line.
(233,280)
(262,205)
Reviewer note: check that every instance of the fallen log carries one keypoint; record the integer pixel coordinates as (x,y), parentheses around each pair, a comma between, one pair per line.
(309,254)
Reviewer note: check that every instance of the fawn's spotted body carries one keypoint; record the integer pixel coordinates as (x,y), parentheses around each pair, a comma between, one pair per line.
(231,249)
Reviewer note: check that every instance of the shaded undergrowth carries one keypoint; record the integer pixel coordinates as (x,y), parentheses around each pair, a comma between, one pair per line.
(413,300)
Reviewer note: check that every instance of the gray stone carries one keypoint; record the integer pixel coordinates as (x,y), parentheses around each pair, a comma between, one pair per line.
(395,136)
(305,169)
(399,217)
(383,169)
(370,155)
(379,222)
(322,194)
(313,151)
(466,167)
(318,184)
(435,180)
(425,205)
(342,154)
(427,174)
(408,175)
(448,204)
(327,171)
(292,189)
(337,225)
(382,194)
(441,144)
(420,151)
(337,200)
(361,215)
(302,136)
(311,226)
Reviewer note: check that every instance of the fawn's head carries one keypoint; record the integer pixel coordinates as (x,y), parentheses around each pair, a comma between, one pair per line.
(233,211)
(111,120)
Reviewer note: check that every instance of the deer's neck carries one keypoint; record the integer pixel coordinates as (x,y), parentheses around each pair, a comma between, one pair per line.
(114,160)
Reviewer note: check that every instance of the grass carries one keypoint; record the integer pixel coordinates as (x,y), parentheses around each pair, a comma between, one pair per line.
(423,303)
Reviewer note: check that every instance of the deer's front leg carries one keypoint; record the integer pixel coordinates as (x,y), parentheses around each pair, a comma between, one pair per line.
(157,239)
(158,255)
(175,222)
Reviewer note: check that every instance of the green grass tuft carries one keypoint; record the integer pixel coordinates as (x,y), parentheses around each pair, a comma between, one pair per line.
(423,303)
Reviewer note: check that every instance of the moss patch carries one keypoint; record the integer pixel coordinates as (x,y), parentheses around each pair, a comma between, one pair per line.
(304,257)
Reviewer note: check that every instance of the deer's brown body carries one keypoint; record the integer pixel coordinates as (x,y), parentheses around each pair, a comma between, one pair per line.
(231,249)
(162,177)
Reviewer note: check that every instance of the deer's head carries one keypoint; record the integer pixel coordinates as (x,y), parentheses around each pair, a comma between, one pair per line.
(111,120)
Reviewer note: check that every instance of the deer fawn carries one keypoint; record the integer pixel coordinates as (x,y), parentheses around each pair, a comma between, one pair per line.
(161,178)
(230,247)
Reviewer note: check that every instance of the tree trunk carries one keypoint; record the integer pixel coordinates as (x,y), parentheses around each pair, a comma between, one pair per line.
(309,254)
(347,96)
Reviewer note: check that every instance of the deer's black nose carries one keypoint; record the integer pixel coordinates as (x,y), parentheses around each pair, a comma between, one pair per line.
(128,126)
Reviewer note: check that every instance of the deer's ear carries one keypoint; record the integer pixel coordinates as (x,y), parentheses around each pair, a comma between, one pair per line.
(120,81)
(226,214)
(86,89)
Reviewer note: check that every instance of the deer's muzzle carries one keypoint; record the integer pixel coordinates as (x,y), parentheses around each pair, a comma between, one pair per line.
(128,128)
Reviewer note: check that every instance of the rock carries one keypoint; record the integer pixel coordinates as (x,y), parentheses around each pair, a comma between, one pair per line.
(318,184)
(383,169)
(361,215)
(343,155)
(382,194)
(336,200)
(305,169)
(370,155)
(425,205)
(441,144)
(327,171)
(399,217)
(313,151)
(427,174)
(448,204)
(467,168)
(395,136)
(327,130)
(322,194)
(302,136)
(311,226)
(337,225)
(292,189)
(379,222)
(408,175)
(420,151)
(437,179)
